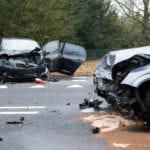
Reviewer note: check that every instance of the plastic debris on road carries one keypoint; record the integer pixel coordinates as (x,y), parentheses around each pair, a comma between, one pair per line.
(40,81)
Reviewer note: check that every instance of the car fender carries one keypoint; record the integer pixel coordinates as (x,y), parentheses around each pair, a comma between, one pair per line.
(137,76)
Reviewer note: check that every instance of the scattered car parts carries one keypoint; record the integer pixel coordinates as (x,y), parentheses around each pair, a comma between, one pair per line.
(95,103)
(24,59)
(21,121)
(96,130)
(123,78)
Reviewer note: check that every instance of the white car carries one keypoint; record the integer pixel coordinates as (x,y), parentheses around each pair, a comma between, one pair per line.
(123,78)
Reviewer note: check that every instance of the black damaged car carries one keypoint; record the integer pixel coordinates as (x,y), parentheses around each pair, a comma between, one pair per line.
(24,59)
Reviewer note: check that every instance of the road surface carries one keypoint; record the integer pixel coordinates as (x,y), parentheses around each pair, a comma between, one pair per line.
(48,114)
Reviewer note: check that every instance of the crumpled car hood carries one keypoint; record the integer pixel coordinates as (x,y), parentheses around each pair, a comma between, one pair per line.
(17,46)
(104,68)
(122,55)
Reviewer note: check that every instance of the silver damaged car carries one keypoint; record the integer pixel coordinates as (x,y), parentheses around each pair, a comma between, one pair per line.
(123,78)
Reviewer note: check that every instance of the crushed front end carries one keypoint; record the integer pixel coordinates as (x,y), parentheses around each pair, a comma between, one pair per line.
(125,82)
(21,60)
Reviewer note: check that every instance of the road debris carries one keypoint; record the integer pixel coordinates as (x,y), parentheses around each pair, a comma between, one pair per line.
(95,130)
(53,79)
(1,139)
(14,122)
(55,111)
(68,104)
(21,121)
(95,103)
(40,81)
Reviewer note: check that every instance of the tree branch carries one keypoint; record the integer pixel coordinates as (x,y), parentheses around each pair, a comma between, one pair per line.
(125,8)
(136,5)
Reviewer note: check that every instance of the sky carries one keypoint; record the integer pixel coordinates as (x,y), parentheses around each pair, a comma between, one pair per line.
(138,3)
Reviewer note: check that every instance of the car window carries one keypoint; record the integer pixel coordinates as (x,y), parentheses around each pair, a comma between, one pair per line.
(18,44)
(52,47)
(74,51)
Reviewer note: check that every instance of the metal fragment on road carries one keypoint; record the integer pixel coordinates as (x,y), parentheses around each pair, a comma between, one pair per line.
(14,122)
(95,130)
(88,103)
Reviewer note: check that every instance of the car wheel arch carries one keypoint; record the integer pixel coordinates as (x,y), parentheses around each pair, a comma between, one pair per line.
(143,87)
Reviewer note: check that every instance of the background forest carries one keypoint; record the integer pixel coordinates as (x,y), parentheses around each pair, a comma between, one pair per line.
(94,24)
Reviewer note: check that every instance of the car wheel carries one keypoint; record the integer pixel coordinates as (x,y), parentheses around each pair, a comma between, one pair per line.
(146,101)
(46,74)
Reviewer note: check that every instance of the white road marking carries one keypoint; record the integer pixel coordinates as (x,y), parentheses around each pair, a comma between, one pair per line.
(37,86)
(79,80)
(36,107)
(75,86)
(3,87)
(22,107)
(20,113)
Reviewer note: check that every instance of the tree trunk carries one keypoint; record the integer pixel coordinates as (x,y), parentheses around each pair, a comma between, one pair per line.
(146,21)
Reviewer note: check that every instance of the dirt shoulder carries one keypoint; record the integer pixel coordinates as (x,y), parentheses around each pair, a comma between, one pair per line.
(87,68)
(118,132)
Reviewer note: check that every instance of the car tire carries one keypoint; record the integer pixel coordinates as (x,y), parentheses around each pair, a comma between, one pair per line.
(146,102)
(146,99)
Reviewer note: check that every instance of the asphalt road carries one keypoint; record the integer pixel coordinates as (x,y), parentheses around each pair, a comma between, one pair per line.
(48,122)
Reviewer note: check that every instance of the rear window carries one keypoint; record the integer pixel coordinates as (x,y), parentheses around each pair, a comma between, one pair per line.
(74,50)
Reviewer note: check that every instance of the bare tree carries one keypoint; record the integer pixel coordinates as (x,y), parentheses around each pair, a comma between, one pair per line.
(138,11)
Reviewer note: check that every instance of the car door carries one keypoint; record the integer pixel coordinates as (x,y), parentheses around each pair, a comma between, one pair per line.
(52,55)
(63,57)
(72,57)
